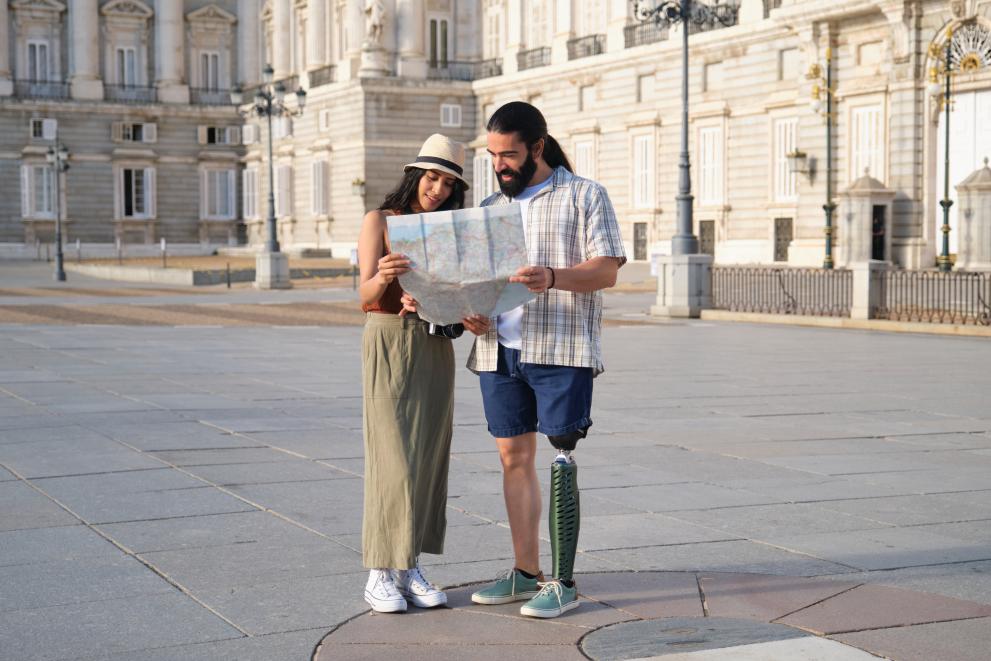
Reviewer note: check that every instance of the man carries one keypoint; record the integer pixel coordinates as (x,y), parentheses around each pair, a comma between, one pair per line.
(536,364)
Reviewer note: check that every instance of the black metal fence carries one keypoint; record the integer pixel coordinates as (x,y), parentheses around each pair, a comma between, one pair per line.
(209,97)
(452,70)
(957,297)
(535,57)
(640,34)
(592,44)
(130,93)
(41,89)
(776,290)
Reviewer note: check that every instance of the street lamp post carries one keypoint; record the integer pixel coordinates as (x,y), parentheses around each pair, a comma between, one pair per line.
(687,13)
(944,67)
(816,74)
(272,267)
(58,157)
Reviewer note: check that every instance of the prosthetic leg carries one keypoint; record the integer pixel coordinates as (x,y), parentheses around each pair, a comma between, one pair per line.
(564,512)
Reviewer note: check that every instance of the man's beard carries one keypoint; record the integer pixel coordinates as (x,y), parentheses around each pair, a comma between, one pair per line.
(520,179)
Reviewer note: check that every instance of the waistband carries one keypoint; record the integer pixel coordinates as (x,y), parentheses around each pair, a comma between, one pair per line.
(393,320)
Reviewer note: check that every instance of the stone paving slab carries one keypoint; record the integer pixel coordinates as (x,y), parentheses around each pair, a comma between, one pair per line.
(807,648)
(67,543)
(76,581)
(964,640)
(632,530)
(878,607)
(295,645)
(645,595)
(969,581)
(235,455)
(766,521)
(64,457)
(180,435)
(24,507)
(913,510)
(115,625)
(299,470)
(332,507)
(764,598)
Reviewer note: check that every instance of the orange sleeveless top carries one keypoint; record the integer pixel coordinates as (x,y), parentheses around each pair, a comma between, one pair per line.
(390,302)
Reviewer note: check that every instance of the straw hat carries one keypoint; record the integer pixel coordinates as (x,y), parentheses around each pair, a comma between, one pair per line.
(441,153)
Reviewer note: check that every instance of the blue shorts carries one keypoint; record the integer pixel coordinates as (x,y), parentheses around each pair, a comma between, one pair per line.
(520,398)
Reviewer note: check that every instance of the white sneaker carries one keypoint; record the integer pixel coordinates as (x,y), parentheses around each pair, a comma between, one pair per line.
(381,593)
(417,589)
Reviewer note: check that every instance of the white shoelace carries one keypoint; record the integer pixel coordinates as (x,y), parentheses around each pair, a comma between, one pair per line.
(549,587)
(385,586)
(415,575)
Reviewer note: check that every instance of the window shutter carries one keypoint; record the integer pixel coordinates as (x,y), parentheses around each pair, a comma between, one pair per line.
(201,134)
(231,195)
(49,128)
(248,134)
(149,133)
(26,196)
(117,131)
(150,208)
(233,135)
(204,194)
(478,165)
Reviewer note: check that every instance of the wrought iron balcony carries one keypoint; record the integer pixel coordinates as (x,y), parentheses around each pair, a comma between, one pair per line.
(130,94)
(533,58)
(640,34)
(592,44)
(207,97)
(769,5)
(323,76)
(41,89)
(452,70)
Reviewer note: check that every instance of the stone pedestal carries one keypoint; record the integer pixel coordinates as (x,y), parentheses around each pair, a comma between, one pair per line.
(374,61)
(684,285)
(868,291)
(974,239)
(272,271)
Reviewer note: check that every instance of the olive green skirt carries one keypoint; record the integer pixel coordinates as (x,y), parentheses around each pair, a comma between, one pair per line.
(408,385)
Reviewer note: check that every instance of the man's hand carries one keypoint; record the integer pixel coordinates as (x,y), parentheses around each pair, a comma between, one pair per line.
(536,278)
(409,304)
(477,324)
(392,266)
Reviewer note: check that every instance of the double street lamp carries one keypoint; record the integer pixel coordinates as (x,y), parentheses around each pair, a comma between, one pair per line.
(58,157)
(269,102)
(703,17)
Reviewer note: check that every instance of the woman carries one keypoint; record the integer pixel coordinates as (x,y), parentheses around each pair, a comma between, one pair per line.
(408,377)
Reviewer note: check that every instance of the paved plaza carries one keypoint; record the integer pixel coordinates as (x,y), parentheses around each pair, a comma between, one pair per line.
(190,488)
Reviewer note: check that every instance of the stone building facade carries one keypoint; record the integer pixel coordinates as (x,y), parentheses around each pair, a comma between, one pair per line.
(139,89)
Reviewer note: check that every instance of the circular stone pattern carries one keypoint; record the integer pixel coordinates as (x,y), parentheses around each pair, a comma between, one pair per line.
(678,635)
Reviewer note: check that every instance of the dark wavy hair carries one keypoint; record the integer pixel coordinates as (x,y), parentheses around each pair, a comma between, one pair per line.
(525,120)
(403,195)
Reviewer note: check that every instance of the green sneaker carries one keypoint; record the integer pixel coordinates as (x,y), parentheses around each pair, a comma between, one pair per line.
(554,599)
(512,586)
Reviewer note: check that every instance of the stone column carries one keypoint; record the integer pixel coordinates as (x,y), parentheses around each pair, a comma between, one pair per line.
(316,34)
(84,34)
(410,29)
(6,84)
(248,43)
(563,30)
(281,24)
(170,55)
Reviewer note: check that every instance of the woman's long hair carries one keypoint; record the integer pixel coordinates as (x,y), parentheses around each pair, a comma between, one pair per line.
(529,123)
(404,194)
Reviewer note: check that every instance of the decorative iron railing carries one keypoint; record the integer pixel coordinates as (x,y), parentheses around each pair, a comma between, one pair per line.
(208,97)
(592,44)
(957,297)
(291,83)
(777,290)
(129,94)
(533,58)
(769,5)
(714,23)
(640,34)
(41,89)
(323,76)
(452,70)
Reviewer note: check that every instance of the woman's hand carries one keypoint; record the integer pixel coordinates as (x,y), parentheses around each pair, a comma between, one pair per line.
(392,266)
(477,324)
(409,304)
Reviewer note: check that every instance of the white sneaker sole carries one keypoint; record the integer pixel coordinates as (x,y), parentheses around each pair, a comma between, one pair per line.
(381,606)
(426,601)
(546,613)
(495,601)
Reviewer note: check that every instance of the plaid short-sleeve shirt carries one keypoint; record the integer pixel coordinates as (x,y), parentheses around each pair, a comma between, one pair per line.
(568,223)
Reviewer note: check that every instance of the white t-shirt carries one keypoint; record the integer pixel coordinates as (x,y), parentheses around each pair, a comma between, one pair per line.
(511,323)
